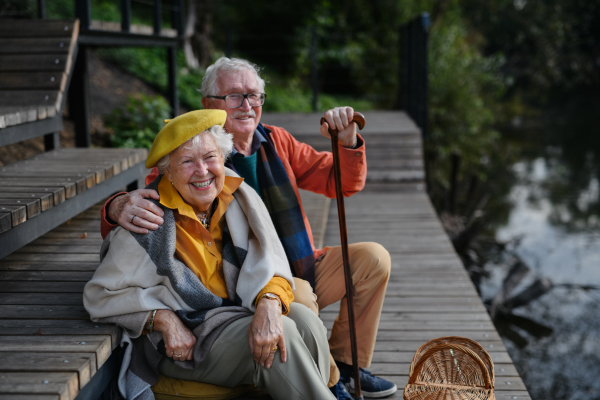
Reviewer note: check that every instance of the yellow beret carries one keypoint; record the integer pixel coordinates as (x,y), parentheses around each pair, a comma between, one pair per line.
(180,129)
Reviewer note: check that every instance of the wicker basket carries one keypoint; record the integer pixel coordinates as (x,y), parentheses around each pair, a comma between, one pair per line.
(450,367)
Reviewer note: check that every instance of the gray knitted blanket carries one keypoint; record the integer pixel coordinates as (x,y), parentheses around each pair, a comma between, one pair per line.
(139,273)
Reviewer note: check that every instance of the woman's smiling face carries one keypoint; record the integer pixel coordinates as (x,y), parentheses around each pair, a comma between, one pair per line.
(198,174)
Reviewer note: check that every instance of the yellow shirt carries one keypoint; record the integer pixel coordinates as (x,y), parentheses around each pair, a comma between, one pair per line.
(201,250)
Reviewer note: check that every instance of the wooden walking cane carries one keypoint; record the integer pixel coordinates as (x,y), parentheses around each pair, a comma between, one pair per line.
(359,119)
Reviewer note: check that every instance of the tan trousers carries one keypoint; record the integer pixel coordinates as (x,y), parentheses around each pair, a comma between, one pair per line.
(370,264)
(230,363)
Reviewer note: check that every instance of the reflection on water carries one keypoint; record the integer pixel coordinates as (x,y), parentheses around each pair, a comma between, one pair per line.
(554,227)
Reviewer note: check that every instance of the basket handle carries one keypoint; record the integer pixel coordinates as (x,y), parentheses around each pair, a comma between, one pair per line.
(431,351)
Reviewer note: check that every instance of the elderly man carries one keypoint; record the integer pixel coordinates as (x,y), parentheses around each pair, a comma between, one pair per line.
(276,165)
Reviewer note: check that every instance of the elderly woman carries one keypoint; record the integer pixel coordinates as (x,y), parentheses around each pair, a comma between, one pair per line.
(207,296)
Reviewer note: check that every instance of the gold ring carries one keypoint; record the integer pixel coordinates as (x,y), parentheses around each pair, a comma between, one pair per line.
(177,355)
(274,348)
(132,218)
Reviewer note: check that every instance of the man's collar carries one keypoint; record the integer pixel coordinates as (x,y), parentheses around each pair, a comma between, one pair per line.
(257,139)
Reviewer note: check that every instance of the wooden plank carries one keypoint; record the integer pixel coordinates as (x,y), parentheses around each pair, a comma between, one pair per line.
(5,221)
(38,28)
(84,364)
(63,299)
(498,357)
(88,240)
(415,316)
(63,327)
(47,266)
(30,98)
(98,344)
(45,199)
(41,287)
(393,326)
(58,193)
(89,249)
(82,181)
(18,214)
(500,370)
(18,115)
(6,396)
(70,187)
(412,346)
(52,258)
(33,80)
(56,276)
(33,62)
(34,45)
(32,206)
(63,384)
(43,312)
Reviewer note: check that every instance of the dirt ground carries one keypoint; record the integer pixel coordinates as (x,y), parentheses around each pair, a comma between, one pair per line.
(109,88)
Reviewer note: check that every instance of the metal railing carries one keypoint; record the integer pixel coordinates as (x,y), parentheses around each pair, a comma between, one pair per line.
(89,37)
(413,82)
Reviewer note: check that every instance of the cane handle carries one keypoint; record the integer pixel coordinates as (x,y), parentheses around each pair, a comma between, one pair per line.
(358,119)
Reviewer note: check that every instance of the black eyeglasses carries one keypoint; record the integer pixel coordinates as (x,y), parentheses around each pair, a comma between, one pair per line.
(236,100)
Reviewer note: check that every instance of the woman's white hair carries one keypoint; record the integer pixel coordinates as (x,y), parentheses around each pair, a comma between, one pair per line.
(209,82)
(222,139)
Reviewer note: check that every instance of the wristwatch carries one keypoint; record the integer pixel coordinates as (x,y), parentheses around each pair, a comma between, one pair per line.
(271,296)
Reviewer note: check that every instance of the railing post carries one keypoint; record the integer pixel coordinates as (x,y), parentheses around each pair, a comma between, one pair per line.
(177,17)
(41,9)
(51,141)
(313,67)
(413,71)
(79,99)
(172,87)
(157,17)
(125,15)
(83,11)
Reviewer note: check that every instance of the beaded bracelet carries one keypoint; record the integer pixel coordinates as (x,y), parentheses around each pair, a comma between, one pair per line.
(151,324)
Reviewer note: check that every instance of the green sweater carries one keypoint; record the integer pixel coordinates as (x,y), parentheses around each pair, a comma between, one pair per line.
(246,168)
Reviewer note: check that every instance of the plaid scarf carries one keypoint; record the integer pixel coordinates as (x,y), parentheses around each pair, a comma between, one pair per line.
(282,203)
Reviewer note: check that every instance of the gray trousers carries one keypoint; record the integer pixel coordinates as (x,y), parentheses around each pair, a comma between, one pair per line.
(230,363)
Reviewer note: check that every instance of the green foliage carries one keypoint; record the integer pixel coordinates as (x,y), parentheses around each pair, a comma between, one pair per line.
(137,124)
(464,88)
(551,46)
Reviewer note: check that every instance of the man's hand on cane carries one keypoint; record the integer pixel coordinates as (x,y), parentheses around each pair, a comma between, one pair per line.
(340,118)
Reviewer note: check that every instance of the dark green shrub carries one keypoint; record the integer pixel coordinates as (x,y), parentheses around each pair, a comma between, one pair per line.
(137,124)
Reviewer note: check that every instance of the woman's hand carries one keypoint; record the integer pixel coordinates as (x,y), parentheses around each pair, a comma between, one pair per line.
(179,340)
(266,332)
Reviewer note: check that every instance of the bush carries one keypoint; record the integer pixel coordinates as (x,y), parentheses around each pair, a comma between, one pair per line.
(465,88)
(137,124)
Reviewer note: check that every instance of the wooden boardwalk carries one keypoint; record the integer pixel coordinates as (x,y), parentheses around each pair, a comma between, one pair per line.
(429,294)
(51,350)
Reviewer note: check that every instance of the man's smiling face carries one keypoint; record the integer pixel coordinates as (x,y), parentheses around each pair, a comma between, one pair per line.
(245,119)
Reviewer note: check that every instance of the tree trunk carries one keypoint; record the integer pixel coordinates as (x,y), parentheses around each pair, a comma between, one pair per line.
(198,30)
(188,47)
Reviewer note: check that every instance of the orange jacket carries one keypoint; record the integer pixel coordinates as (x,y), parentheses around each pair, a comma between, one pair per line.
(307,169)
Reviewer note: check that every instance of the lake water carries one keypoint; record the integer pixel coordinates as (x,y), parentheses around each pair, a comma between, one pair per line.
(554,228)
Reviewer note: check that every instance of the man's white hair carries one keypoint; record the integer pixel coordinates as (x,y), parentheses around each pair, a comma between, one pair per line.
(222,139)
(223,65)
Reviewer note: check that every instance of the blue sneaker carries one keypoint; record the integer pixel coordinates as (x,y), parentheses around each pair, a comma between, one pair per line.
(340,392)
(371,386)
